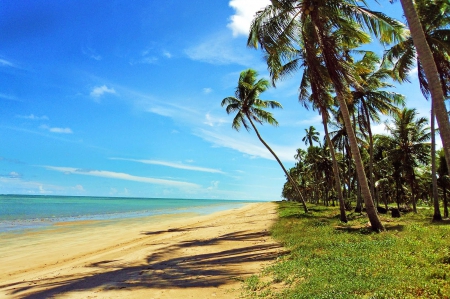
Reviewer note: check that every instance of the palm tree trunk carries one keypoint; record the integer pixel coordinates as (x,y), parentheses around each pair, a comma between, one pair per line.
(431,73)
(369,131)
(437,213)
(444,191)
(362,179)
(413,194)
(294,184)
(337,178)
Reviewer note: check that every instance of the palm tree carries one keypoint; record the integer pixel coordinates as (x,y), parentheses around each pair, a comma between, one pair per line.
(317,93)
(409,136)
(324,26)
(370,99)
(250,107)
(428,62)
(311,135)
(435,17)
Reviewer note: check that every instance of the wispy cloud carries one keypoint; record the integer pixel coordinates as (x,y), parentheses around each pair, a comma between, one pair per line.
(8,97)
(33,117)
(207,90)
(245,11)
(122,176)
(16,184)
(57,130)
(219,50)
(253,149)
(91,53)
(173,165)
(98,91)
(4,62)
(167,54)
(214,121)
(14,174)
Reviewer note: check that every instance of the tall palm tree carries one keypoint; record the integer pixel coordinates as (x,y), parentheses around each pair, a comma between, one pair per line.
(250,107)
(429,64)
(372,98)
(310,136)
(315,90)
(435,18)
(409,139)
(324,26)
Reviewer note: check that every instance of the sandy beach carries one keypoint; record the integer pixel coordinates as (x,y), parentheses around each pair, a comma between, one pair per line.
(170,256)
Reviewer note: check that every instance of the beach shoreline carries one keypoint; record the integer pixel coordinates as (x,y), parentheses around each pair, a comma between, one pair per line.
(165,256)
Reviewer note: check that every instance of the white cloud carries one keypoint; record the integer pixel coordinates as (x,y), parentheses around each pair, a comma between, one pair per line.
(14,174)
(8,97)
(251,148)
(79,188)
(16,185)
(122,176)
(91,53)
(214,185)
(219,50)
(245,11)
(33,117)
(173,165)
(379,129)
(149,60)
(207,90)
(4,62)
(167,54)
(57,130)
(213,121)
(101,90)
(162,111)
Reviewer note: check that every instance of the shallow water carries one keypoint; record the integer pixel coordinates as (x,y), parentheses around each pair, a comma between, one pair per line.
(24,212)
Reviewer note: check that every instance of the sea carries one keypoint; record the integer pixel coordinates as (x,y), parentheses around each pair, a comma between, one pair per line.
(20,213)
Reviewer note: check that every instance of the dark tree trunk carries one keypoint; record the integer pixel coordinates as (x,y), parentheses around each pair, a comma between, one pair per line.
(437,213)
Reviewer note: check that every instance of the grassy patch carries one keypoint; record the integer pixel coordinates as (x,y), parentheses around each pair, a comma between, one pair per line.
(328,259)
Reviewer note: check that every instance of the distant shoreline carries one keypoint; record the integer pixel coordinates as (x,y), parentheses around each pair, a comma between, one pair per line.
(19,212)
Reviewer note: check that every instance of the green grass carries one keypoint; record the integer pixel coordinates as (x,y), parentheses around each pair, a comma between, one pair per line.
(328,259)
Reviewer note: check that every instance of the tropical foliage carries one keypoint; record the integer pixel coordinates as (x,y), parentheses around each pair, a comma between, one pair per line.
(351,89)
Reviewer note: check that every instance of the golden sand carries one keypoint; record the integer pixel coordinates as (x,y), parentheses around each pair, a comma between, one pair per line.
(170,256)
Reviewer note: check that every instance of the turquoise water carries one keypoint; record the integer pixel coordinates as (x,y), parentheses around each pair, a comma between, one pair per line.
(19,212)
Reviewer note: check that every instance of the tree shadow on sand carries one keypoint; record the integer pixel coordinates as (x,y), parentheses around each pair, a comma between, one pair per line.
(159,271)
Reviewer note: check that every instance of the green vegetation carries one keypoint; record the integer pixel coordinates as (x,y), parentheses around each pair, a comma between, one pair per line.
(329,259)
(348,85)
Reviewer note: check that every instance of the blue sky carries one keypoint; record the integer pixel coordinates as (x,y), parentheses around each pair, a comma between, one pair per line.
(122,98)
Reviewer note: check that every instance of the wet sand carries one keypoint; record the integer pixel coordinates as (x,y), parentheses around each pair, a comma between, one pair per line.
(168,256)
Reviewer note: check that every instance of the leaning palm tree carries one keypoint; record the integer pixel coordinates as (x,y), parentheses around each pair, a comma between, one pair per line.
(314,90)
(311,135)
(324,26)
(428,63)
(435,17)
(250,107)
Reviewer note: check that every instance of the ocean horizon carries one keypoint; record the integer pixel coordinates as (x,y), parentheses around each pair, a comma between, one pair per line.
(25,212)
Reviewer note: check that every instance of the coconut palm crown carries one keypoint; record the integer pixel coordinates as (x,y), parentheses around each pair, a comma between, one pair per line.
(247,103)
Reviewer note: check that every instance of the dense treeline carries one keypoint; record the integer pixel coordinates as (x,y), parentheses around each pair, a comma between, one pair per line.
(350,88)
(401,168)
